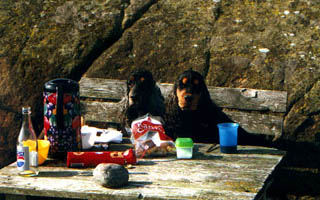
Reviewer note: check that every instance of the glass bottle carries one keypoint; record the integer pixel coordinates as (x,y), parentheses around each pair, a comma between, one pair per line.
(27,146)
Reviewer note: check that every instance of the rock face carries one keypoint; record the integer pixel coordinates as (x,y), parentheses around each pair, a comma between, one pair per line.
(264,45)
(270,45)
(42,40)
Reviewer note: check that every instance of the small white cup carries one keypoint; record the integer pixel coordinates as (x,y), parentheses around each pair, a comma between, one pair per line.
(88,136)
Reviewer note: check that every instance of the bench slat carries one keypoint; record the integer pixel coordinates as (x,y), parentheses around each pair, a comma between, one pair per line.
(255,123)
(109,89)
(238,98)
(101,111)
(249,99)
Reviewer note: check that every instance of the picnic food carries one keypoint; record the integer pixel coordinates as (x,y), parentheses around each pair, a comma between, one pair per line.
(149,138)
(111,175)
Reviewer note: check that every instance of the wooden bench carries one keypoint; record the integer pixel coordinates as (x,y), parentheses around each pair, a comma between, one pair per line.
(257,111)
(208,175)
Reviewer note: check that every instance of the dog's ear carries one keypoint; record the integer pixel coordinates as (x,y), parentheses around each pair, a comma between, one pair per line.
(147,75)
(144,75)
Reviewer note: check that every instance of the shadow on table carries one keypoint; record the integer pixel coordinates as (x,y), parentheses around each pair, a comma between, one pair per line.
(64,173)
(137,184)
(260,151)
(212,152)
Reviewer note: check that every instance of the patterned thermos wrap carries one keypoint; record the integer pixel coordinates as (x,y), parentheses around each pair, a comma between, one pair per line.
(62,119)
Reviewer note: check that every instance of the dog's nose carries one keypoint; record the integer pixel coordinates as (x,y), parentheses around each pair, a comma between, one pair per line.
(133,97)
(188,98)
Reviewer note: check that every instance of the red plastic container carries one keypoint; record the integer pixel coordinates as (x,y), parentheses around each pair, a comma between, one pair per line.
(92,159)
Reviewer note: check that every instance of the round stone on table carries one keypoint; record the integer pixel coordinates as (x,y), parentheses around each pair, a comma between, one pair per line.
(111,175)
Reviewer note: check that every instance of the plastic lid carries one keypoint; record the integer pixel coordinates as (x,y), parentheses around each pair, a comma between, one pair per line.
(184,142)
(67,85)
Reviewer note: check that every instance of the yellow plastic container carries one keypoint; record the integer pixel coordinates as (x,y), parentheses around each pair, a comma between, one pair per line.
(43,149)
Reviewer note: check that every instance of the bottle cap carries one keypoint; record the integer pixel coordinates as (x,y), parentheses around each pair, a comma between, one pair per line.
(26,110)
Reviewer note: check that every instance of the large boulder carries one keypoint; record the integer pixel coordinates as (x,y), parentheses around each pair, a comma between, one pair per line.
(270,45)
(42,40)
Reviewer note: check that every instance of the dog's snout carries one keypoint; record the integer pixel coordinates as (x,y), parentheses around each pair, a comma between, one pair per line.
(188,98)
(133,97)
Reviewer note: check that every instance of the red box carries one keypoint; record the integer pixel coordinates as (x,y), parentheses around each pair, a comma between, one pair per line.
(92,159)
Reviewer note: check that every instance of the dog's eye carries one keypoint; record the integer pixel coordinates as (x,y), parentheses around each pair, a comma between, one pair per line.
(196,81)
(184,80)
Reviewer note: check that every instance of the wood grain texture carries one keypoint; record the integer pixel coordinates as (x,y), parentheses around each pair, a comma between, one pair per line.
(239,98)
(257,123)
(249,99)
(111,89)
(206,176)
(254,123)
(101,111)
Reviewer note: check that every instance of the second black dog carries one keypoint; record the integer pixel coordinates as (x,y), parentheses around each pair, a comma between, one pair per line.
(190,110)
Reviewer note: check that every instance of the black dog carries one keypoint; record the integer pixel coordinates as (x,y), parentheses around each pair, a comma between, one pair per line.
(143,96)
(190,111)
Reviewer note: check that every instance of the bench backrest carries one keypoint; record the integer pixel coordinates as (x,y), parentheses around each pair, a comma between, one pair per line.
(257,111)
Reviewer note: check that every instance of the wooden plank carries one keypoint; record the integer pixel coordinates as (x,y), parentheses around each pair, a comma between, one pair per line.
(238,98)
(249,99)
(206,176)
(101,111)
(255,123)
(102,88)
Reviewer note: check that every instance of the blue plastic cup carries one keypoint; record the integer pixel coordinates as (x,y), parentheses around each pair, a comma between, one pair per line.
(228,137)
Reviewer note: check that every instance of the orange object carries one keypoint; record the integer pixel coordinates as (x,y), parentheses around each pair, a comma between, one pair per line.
(43,149)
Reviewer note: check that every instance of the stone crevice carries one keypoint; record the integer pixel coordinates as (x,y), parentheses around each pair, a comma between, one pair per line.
(295,101)
(207,56)
(99,47)
(135,11)
(129,14)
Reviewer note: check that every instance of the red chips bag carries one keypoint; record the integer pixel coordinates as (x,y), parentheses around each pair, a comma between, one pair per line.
(92,159)
(149,138)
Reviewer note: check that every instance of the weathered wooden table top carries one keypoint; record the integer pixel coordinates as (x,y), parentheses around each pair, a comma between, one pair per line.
(210,175)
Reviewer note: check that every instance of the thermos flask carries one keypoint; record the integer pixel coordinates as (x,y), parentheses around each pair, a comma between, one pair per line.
(62,119)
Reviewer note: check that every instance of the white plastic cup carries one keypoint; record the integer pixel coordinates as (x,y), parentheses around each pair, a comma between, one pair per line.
(184,148)
(87,137)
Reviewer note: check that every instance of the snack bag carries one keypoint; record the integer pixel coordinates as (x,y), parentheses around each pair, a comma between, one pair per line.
(149,138)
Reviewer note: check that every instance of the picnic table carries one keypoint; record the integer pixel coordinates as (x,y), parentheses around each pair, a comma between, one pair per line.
(208,175)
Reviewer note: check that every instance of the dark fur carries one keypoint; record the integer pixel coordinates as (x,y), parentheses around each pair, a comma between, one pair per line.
(146,95)
(199,124)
